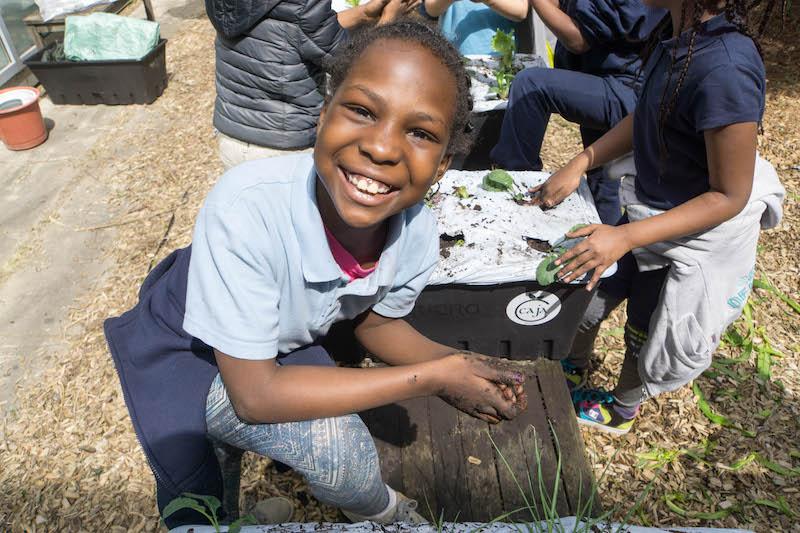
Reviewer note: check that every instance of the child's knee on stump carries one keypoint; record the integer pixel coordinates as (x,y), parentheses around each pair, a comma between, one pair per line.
(345,471)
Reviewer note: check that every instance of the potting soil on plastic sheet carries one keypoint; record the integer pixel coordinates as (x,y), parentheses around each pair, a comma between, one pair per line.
(488,238)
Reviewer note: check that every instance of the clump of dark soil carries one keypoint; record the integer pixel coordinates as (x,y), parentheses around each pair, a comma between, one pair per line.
(448,241)
(538,244)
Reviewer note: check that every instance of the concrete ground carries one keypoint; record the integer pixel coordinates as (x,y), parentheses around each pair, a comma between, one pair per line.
(47,195)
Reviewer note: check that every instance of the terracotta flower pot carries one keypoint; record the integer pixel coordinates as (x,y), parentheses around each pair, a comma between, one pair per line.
(21,122)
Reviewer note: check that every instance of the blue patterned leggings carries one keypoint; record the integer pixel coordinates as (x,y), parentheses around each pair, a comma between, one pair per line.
(336,456)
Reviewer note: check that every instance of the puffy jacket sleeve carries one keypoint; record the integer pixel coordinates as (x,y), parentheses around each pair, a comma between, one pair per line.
(603,22)
(231,18)
(320,33)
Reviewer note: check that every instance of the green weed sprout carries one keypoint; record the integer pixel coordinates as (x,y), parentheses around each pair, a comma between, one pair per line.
(353,3)
(543,513)
(206,506)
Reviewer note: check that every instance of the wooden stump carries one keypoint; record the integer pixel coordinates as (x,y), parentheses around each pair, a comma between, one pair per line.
(462,469)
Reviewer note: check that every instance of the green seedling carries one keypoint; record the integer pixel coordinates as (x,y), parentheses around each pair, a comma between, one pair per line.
(547,271)
(503,44)
(353,3)
(498,181)
(206,506)
(461,192)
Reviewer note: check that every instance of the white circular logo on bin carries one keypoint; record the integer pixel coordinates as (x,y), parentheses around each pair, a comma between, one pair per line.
(533,308)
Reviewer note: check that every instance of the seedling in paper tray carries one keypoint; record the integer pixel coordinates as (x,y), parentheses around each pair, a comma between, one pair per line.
(491,231)
(503,43)
(501,181)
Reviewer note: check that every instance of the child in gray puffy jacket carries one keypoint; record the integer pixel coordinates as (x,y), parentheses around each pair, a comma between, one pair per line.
(269,69)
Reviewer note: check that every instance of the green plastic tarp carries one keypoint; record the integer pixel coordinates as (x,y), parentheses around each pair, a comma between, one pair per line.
(105,37)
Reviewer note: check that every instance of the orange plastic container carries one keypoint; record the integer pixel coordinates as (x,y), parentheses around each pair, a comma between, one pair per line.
(21,123)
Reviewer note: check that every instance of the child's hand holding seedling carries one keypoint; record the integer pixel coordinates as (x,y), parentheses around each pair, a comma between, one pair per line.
(488,388)
(602,246)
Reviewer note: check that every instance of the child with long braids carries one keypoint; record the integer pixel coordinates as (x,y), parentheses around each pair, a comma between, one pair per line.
(225,342)
(687,245)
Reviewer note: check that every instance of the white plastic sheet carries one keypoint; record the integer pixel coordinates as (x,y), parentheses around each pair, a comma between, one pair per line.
(498,234)
(50,9)
(563,524)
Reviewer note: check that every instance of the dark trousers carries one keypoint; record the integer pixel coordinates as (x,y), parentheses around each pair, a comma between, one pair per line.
(595,103)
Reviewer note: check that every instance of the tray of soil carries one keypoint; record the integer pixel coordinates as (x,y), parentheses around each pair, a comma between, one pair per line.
(488,106)
(484,294)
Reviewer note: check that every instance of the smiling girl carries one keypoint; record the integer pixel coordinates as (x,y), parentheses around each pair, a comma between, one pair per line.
(225,339)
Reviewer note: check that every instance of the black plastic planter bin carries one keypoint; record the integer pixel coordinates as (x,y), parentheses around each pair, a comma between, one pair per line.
(520,320)
(487,127)
(103,82)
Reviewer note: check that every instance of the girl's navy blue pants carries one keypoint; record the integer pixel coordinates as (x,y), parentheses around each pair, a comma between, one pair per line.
(596,103)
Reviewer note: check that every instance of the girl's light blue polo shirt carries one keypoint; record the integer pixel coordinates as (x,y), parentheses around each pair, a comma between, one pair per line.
(262,280)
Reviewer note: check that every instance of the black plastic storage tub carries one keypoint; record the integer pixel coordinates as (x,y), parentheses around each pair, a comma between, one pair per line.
(520,320)
(487,126)
(103,82)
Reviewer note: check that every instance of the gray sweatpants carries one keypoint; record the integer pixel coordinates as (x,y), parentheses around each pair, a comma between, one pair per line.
(642,290)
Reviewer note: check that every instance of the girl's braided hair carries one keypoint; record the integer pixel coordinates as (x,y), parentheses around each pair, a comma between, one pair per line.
(750,17)
(424,35)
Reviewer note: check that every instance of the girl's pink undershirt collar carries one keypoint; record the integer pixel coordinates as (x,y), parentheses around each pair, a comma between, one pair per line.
(345,260)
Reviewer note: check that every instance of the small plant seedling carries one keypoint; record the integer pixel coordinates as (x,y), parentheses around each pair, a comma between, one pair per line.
(206,506)
(353,3)
(498,181)
(503,44)
(461,192)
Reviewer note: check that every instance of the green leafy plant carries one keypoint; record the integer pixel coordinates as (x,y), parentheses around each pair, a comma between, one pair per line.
(208,506)
(353,3)
(503,44)
(461,192)
(499,180)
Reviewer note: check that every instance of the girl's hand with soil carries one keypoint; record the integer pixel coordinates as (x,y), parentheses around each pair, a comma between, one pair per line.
(559,185)
(487,388)
(601,248)
(616,143)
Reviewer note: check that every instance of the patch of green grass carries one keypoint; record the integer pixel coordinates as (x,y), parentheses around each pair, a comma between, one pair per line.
(542,509)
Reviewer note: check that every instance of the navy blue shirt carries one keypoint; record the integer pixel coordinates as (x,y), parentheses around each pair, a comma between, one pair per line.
(725,84)
(615,31)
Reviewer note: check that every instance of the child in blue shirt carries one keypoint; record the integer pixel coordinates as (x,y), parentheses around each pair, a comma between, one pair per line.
(693,207)
(593,84)
(471,24)
(225,340)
